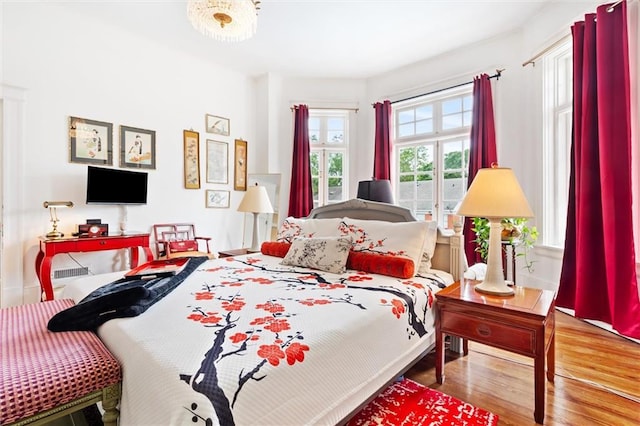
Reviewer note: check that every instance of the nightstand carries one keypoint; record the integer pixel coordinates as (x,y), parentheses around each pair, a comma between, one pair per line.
(523,323)
(233,252)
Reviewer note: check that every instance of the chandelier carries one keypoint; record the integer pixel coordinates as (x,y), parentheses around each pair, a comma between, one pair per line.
(226,20)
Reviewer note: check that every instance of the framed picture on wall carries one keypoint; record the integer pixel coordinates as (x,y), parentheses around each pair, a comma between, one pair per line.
(217,199)
(240,165)
(217,162)
(90,141)
(191,159)
(217,125)
(137,148)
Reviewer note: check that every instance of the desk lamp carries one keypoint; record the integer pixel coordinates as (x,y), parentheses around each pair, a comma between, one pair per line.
(52,206)
(495,194)
(256,201)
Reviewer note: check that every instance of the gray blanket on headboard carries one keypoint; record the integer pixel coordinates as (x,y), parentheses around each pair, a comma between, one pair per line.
(119,299)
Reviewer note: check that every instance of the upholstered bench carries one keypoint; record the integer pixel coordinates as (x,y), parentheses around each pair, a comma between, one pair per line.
(46,375)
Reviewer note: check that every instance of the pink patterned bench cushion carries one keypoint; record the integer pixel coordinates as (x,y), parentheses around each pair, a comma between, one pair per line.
(41,369)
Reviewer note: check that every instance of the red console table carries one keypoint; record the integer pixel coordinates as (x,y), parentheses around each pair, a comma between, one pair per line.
(51,247)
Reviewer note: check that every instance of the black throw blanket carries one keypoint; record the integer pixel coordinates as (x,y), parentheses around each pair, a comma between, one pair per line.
(119,299)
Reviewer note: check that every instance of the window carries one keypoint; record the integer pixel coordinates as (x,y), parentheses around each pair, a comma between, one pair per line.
(557,119)
(432,154)
(328,139)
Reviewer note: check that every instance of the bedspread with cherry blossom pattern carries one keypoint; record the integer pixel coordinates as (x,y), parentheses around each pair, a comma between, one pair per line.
(248,341)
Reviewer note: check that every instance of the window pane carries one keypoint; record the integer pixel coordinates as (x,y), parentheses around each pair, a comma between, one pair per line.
(452,155)
(452,106)
(424,158)
(424,126)
(405,116)
(405,130)
(423,112)
(407,160)
(335,123)
(315,183)
(314,136)
(314,123)
(335,136)
(468,103)
(335,189)
(451,121)
(467,117)
(314,159)
(334,164)
(407,190)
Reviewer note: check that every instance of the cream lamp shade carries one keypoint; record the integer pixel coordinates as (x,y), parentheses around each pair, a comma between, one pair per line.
(255,200)
(495,194)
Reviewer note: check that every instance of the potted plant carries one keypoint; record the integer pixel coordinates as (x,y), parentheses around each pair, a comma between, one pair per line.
(514,230)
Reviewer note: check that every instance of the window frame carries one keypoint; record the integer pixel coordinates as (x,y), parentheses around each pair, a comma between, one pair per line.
(437,138)
(324,149)
(556,142)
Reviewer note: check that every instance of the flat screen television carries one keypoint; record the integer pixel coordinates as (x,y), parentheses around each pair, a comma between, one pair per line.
(115,186)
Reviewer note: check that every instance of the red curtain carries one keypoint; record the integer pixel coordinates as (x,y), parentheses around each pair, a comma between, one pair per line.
(382,154)
(301,192)
(482,150)
(598,278)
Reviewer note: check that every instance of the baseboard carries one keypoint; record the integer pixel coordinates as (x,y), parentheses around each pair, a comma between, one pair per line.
(599,324)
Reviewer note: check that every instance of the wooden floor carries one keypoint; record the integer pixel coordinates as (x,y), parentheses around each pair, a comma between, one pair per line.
(597,379)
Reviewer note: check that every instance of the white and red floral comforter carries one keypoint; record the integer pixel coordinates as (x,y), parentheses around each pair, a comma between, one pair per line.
(248,341)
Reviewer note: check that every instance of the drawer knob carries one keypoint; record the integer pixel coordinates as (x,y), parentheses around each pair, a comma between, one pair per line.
(103,243)
(483,330)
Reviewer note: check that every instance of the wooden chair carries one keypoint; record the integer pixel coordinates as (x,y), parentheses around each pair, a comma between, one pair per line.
(180,240)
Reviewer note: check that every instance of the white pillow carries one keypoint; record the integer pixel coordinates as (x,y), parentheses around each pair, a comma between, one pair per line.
(326,254)
(429,247)
(404,239)
(309,228)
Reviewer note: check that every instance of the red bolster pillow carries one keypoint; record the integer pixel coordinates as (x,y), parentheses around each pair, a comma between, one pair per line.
(275,248)
(393,266)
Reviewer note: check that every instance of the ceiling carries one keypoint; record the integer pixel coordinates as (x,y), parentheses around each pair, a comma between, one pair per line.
(327,38)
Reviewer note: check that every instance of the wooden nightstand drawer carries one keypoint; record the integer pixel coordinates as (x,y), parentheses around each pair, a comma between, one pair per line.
(497,334)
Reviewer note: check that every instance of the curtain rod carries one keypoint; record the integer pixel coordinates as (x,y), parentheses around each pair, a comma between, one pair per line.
(334,108)
(497,76)
(545,50)
(562,40)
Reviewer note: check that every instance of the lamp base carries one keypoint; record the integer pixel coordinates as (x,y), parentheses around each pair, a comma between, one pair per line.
(498,289)
(54,234)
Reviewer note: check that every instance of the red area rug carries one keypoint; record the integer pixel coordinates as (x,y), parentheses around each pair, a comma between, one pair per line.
(409,403)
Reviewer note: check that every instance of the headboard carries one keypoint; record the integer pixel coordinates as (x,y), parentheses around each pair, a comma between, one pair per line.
(448,255)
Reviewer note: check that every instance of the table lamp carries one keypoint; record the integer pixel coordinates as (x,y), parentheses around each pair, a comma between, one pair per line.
(52,206)
(256,201)
(495,194)
(375,190)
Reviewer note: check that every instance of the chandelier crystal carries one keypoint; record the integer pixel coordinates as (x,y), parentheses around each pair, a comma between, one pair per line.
(226,20)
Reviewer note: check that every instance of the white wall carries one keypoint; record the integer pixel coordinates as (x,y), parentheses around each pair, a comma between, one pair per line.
(73,65)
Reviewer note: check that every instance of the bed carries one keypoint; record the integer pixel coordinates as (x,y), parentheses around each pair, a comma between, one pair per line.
(250,341)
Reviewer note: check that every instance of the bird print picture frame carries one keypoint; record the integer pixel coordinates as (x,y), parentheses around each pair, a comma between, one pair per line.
(217,125)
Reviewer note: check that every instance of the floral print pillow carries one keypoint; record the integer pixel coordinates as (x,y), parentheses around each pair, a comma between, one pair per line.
(405,239)
(309,228)
(326,254)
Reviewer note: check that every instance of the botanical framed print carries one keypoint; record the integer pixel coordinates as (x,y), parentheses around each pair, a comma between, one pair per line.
(90,141)
(217,199)
(240,165)
(191,159)
(217,162)
(137,148)
(217,125)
